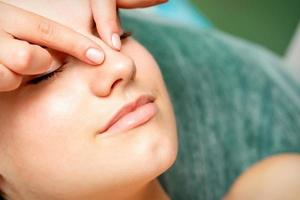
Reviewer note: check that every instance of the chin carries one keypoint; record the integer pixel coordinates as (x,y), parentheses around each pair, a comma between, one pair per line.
(157,148)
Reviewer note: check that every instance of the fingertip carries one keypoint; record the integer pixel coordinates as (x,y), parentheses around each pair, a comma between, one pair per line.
(107,22)
(96,56)
(9,80)
(116,41)
(110,35)
(162,1)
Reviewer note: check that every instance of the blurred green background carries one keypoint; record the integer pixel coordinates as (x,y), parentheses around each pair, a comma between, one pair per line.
(271,23)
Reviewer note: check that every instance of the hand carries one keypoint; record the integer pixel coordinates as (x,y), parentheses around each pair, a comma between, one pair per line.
(23,33)
(105,16)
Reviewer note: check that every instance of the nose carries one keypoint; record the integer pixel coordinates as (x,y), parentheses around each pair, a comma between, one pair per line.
(117,71)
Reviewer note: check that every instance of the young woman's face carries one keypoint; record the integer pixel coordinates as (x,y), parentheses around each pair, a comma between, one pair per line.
(51,144)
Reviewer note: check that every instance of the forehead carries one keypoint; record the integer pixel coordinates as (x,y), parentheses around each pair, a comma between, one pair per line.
(74,14)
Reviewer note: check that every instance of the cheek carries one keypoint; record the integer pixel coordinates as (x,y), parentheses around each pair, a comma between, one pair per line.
(149,76)
(50,112)
(49,138)
(45,135)
(148,72)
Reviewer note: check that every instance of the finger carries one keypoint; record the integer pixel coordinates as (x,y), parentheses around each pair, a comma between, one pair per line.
(106,18)
(138,3)
(8,79)
(42,31)
(22,57)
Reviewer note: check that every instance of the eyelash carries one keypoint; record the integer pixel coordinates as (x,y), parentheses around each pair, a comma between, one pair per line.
(125,35)
(46,77)
(60,69)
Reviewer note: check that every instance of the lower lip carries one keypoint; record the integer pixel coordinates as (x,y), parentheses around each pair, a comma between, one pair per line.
(134,119)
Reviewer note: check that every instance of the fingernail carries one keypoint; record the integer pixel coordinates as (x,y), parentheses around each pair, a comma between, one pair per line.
(95,55)
(52,68)
(116,42)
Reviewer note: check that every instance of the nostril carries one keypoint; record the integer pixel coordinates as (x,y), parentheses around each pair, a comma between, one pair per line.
(115,83)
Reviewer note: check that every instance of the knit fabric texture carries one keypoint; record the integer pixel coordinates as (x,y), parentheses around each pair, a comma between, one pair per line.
(234,103)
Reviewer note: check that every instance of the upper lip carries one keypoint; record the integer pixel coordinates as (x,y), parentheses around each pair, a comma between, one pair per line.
(129,107)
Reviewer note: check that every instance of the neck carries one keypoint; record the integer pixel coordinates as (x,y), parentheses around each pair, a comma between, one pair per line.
(152,191)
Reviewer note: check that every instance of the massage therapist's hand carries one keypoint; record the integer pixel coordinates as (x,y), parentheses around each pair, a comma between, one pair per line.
(23,33)
(106,18)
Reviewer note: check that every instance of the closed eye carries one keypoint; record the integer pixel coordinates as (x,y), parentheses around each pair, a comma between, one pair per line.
(50,75)
(46,77)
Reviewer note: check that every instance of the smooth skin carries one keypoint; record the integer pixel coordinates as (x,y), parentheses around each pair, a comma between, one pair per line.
(51,147)
(25,37)
(276,178)
(105,15)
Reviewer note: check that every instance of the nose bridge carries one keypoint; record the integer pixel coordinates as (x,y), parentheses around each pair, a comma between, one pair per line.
(118,70)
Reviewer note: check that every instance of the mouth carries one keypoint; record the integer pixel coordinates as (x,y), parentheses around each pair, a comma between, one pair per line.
(132,115)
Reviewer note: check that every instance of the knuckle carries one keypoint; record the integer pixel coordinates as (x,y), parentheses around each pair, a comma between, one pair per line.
(46,30)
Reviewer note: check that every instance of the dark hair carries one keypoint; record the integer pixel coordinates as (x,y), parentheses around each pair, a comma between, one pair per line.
(2,195)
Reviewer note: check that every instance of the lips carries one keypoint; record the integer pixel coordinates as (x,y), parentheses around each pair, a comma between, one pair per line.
(132,107)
